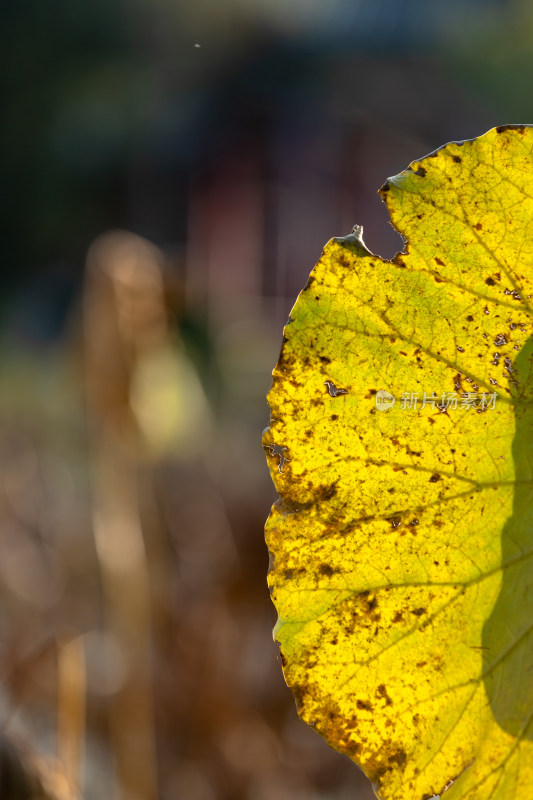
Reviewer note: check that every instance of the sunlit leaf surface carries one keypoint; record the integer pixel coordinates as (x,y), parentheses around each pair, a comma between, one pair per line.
(402,540)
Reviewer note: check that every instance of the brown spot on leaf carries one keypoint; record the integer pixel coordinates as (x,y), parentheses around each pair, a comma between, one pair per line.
(503,128)
(300,692)
(381,691)
(377,774)
(288,574)
(372,604)
(327,569)
(399,757)
(326,492)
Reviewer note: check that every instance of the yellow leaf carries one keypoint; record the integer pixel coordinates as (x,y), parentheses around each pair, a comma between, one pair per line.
(402,540)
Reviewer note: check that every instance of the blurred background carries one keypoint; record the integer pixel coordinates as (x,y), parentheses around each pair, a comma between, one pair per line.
(171,171)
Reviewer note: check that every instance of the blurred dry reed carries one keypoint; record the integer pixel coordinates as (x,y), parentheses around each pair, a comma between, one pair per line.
(124,317)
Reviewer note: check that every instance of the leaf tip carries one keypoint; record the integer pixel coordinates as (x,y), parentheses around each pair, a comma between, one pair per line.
(353,239)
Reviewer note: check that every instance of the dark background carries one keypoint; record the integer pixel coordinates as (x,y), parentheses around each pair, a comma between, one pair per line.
(237,137)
